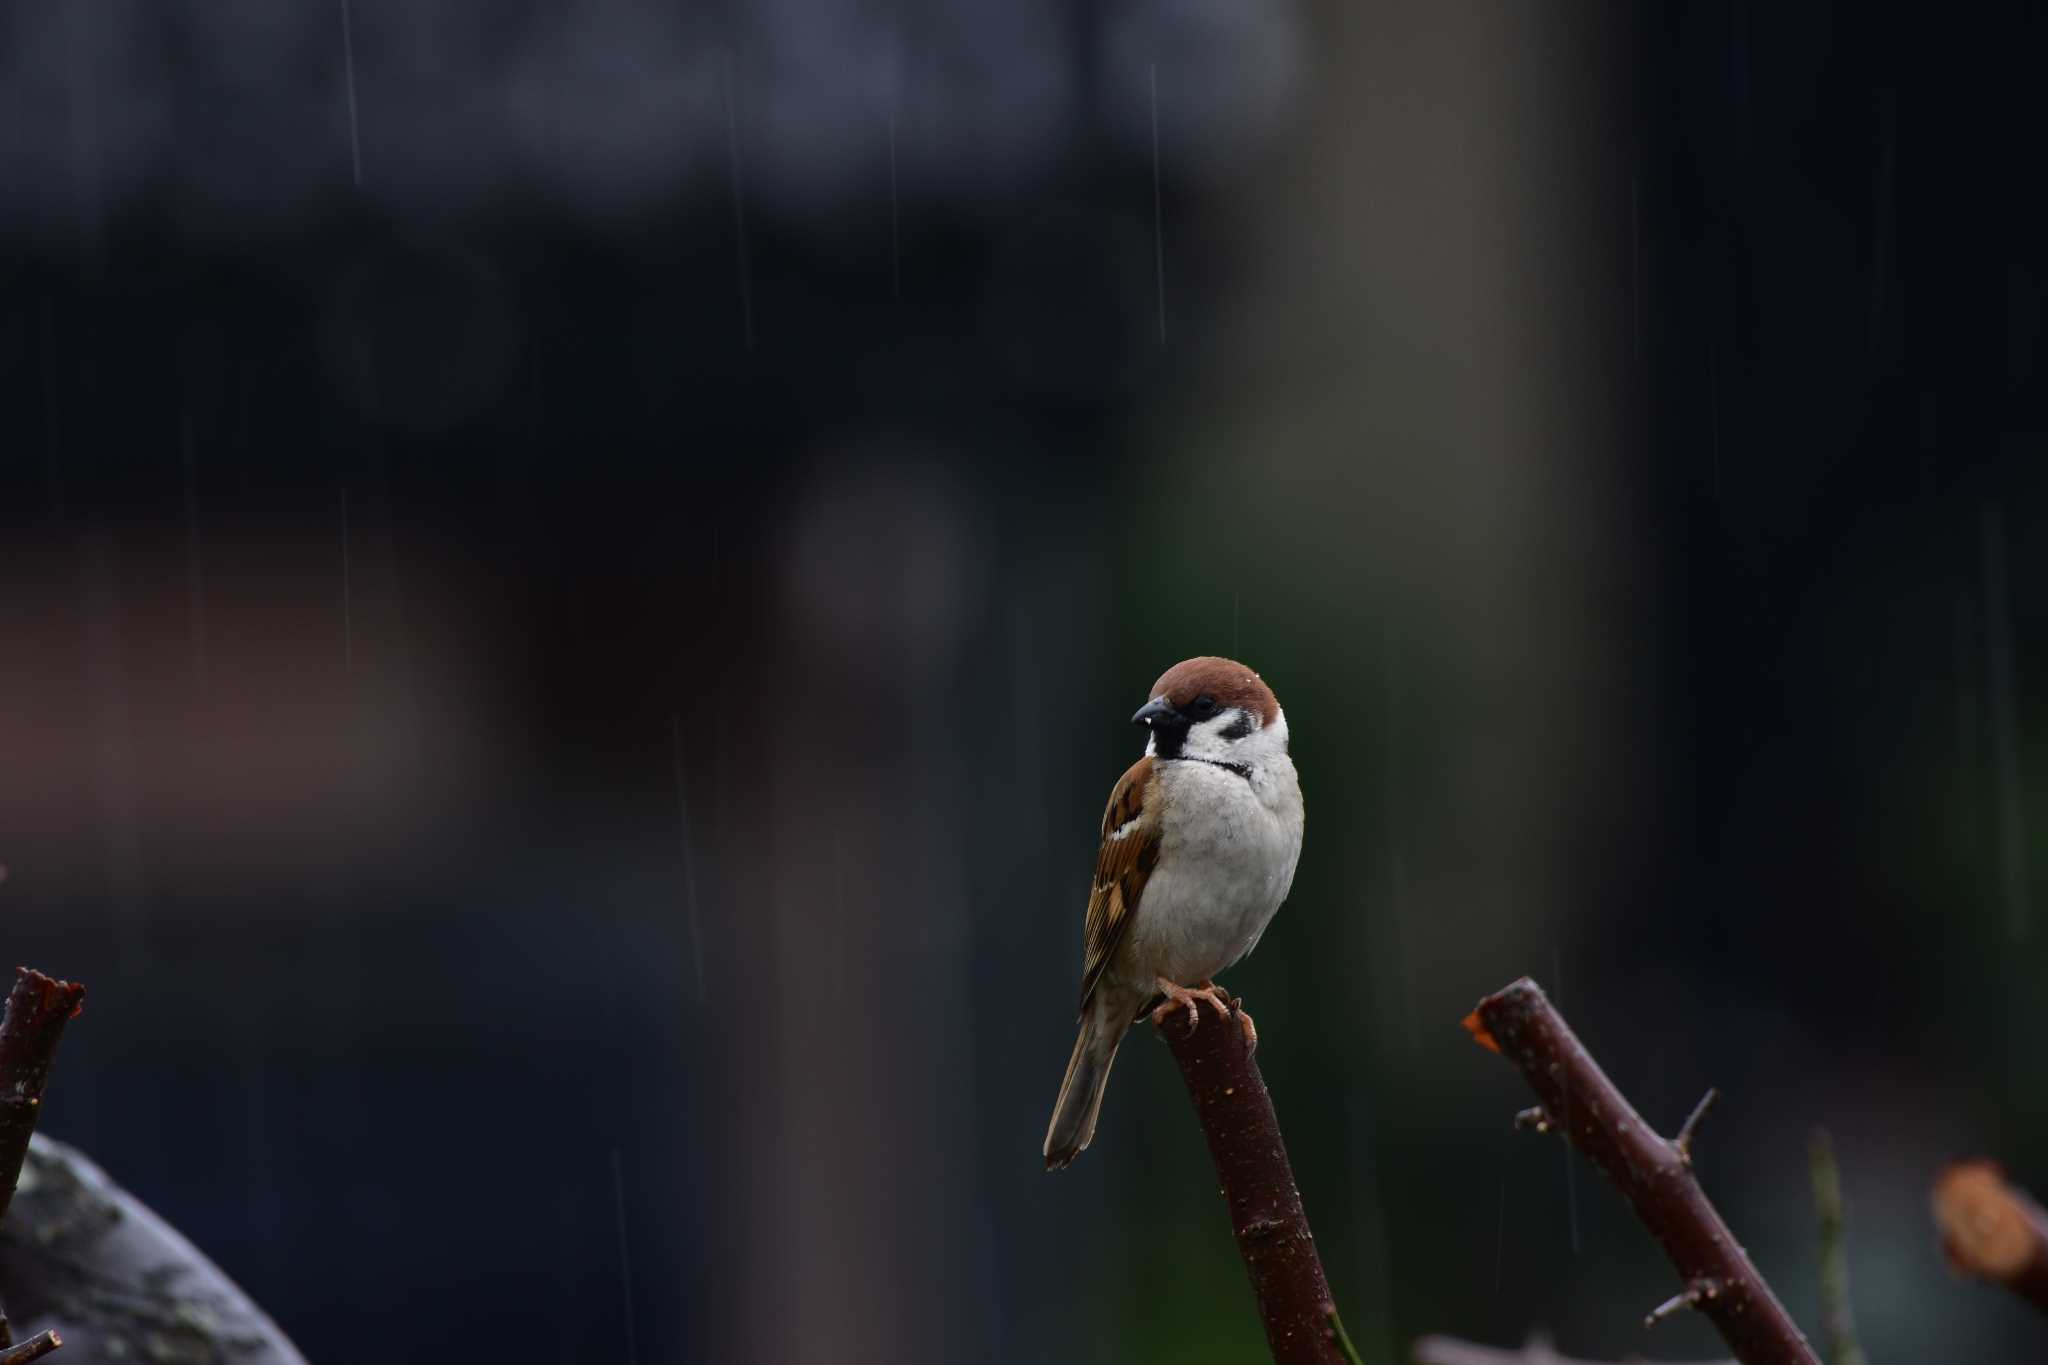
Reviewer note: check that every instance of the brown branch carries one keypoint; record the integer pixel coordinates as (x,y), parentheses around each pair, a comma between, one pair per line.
(1653,1174)
(1451,1351)
(1991,1230)
(1272,1230)
(35,1348)
(37,1010)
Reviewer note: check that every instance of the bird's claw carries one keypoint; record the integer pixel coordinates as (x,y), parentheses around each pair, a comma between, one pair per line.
(1181,997)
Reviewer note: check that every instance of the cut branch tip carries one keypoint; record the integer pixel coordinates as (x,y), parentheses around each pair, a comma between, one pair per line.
(1992,1230)
(35,1348)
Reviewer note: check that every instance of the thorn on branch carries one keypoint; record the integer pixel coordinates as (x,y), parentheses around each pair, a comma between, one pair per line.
(35,1348)
(1696,1293)
(1683,1142)
(1535,1117)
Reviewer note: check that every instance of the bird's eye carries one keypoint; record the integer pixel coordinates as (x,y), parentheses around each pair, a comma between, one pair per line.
(1203,707)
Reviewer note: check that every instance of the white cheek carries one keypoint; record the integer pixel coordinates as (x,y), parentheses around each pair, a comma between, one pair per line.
(1209,740)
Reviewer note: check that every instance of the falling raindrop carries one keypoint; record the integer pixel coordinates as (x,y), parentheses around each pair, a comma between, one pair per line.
(1881,240)
(719,762)
(1714,413)
(895,217)
(1500,1230)
(1158,211)
(625,1260)
(243,385)
(841,950)
(895,199)
(348,629)
(1370,1224)
(1396,859)
(675,726)
(1968,741)
(53,431)
(1739,54)
(2005,737)
(348,57)
(195,561)
(1571,1175)
(83,77)
(1635,260)
(114,760)
(1929,450)
(739,209)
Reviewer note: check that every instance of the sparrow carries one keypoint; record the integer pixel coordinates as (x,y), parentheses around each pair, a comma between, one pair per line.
(1198,850)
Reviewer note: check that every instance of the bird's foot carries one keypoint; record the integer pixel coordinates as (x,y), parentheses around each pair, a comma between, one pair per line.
(1180,997)
(1244,1016)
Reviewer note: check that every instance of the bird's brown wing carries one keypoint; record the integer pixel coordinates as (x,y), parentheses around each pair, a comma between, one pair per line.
(1130,850)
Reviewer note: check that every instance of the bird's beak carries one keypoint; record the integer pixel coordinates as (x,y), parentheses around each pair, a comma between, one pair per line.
(1152,710)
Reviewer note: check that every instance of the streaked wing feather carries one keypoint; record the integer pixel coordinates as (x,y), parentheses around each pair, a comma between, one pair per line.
(1130,849)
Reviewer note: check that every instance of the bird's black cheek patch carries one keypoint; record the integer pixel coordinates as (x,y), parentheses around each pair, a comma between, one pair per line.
(1169,733)
(1238,729)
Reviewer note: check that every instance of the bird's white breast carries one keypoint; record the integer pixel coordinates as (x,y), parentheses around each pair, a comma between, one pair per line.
(1227,855)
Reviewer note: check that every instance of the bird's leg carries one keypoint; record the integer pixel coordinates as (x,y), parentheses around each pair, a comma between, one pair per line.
(1178,997)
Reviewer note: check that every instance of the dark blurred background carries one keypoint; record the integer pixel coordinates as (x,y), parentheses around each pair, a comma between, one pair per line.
(571,577)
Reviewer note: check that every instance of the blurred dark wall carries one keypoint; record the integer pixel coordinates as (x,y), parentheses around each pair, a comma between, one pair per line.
(570,579)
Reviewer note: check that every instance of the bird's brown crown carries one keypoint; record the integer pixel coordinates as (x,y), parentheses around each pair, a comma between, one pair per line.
(1226,680)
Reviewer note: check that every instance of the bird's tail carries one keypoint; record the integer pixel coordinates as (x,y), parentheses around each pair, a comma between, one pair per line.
(1080,1101)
